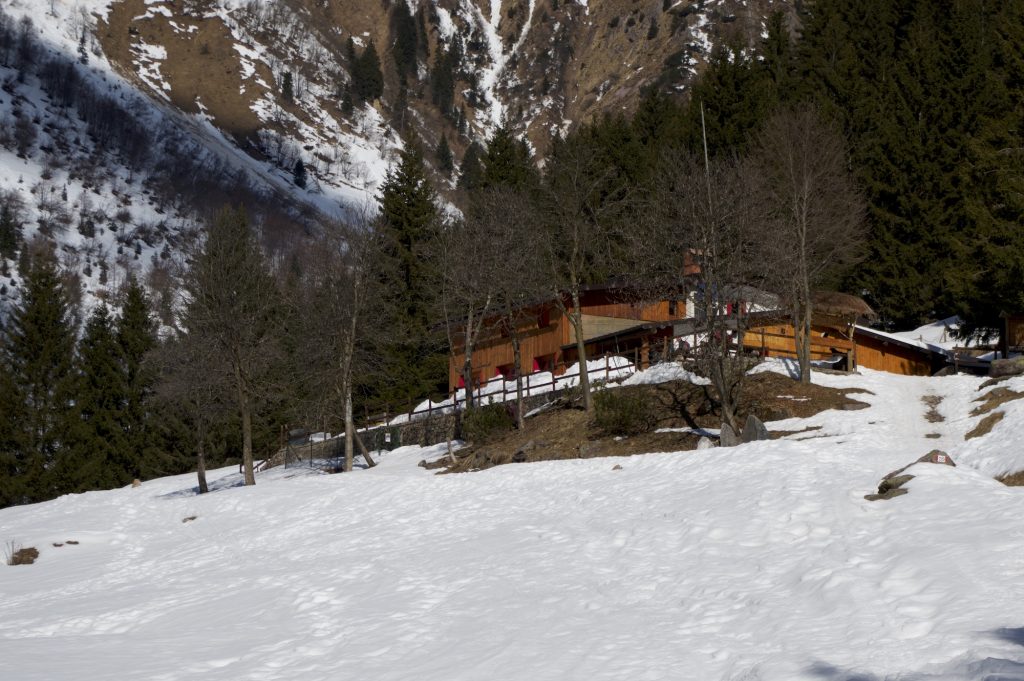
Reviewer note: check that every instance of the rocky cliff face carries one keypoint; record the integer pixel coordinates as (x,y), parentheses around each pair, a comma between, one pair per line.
(541,65)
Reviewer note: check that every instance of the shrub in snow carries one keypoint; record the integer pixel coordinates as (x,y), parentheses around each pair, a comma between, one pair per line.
(624,412)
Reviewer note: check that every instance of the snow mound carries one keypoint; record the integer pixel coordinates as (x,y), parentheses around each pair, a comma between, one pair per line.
(664,373)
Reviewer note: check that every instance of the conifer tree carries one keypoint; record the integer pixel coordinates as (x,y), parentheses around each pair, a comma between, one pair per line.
(445,160)
(508,162)
(136,337)
(11,216)
(97,455)
(39,347)
(406,41)
(408,218)
(442,81)
(735,97)
(299,174)
(471,171)
(235,312)
(287,88)
(367,80)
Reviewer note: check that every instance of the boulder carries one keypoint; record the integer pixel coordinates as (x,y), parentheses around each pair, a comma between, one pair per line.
(937,456)
(1006,367)
(892,484)
(728,437)
(754,430)
(705,443)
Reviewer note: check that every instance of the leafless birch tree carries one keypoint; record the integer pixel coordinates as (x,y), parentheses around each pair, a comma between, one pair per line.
(816,213)
(341,317)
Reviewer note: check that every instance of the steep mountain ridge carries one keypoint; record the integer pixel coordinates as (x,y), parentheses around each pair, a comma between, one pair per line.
(227,97)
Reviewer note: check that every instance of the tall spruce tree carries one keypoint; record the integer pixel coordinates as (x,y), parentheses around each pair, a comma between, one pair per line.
(367,79)
(97,455)
(472,170)
(406,41)
(445,160)
(508,162)
(408,218)
(136,338)
(39,348)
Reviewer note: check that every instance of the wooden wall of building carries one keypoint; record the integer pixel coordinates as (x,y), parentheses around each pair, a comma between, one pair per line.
(495,351)
(777,340)
(873,353)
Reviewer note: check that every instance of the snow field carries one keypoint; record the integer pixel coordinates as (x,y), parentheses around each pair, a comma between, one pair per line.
(757,562)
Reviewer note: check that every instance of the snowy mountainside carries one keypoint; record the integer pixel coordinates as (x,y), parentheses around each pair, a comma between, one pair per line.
(759,562)
(203,83)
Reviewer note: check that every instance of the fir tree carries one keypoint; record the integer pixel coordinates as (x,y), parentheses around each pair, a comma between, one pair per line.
(442,82)
(472,170)
(508,162)
(408,218)
(347,107)
(406,41)
(136,337)
(235,313)
(299,174)
(445,160)
(287,91)
(97,456)
(39,346)
(367,80)
(11,207)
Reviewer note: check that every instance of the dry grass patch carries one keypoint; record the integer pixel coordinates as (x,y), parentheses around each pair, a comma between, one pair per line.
(994,399)
(200,45)
(933,415)
(19,555)
(1013,479)
(985,426)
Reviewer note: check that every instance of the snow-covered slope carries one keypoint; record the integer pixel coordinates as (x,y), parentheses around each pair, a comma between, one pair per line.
(762,561)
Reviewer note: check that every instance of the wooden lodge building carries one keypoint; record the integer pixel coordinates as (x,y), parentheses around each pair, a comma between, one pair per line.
(645,333)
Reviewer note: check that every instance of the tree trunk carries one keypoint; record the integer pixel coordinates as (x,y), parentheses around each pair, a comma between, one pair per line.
(581,352)
(805,343)
(517,358)
(467,377)
(245,410)
(350,428)
(201,462)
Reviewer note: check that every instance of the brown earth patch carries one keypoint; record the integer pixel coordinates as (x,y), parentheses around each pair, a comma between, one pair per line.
(933,415)
(994,399)
(22,555)
(568,433)
(201,62)
(985,426)
(1013,479)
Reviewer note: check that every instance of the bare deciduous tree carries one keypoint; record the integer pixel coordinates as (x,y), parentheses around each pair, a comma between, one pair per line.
(582,203)
(708,209)
(816,213)
(192,389)
(234,308)
(519,281)
(465,284)
(342,317)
